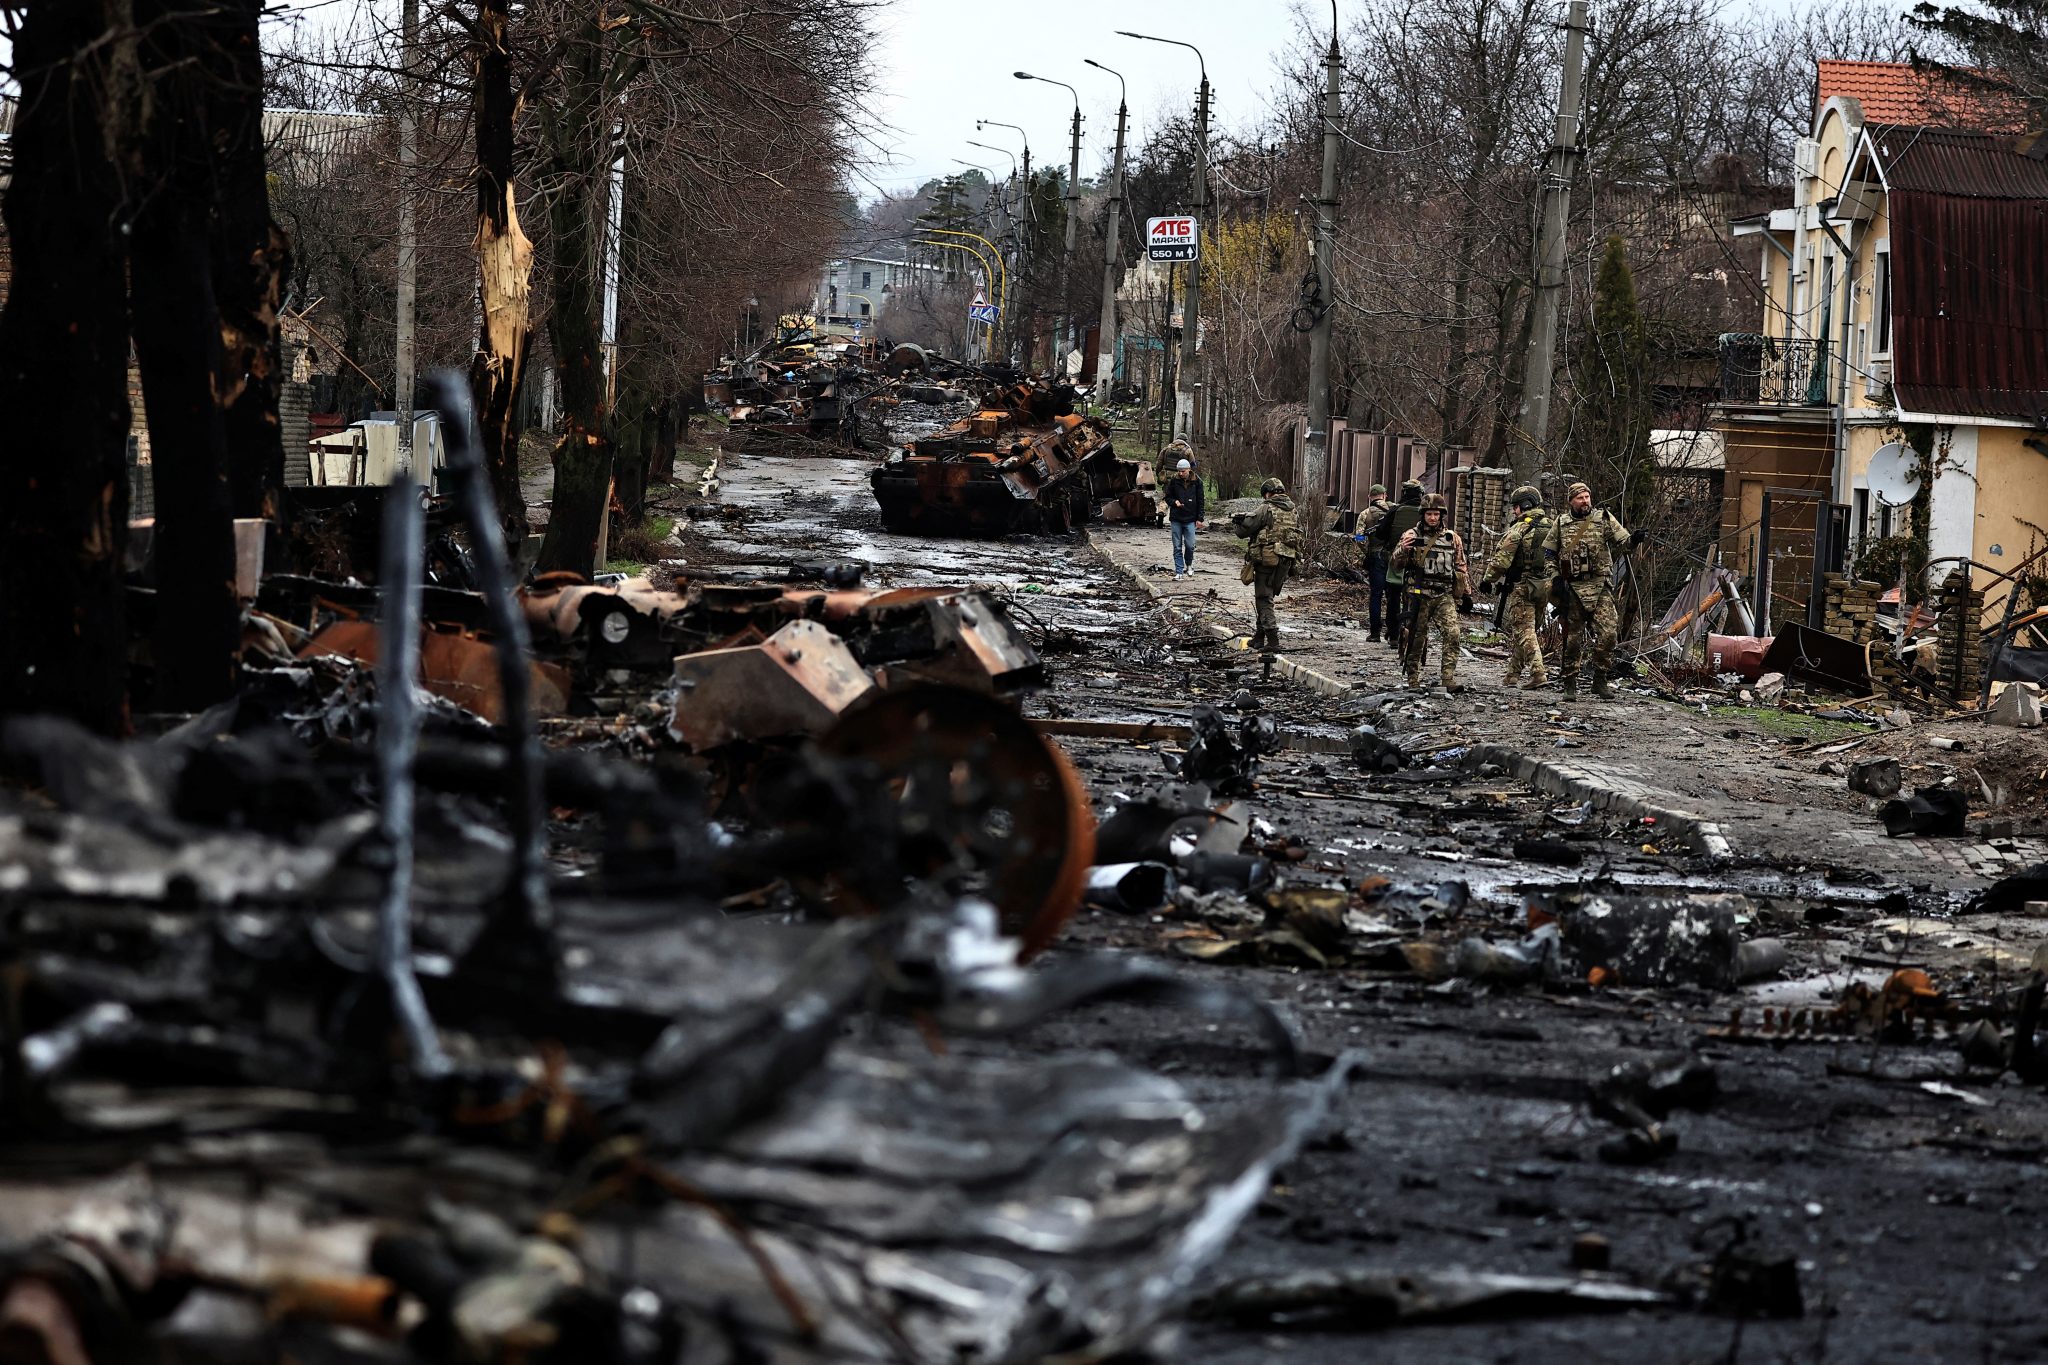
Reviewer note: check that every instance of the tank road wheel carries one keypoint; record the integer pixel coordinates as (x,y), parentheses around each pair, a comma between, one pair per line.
(987,805)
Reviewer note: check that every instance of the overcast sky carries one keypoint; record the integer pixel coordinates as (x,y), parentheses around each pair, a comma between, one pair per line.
(942,64)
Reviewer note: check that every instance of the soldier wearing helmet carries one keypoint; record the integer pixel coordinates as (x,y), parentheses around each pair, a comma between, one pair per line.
(1435,588)
(1272,544)
(1375,550)
(1397,523)
(1582,546)
(1522,572)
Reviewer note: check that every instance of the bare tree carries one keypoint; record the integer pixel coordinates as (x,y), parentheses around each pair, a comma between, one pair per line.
(63,360)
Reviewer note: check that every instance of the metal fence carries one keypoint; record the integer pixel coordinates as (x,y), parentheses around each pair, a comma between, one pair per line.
(1779,371)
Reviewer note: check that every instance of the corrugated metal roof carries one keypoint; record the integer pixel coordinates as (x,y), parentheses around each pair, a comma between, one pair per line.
(1946,161)
(1970,304)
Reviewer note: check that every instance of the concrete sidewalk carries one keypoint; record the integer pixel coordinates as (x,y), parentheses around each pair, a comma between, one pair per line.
(1728,787)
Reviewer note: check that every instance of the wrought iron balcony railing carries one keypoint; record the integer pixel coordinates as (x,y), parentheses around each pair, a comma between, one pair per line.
(1788,372)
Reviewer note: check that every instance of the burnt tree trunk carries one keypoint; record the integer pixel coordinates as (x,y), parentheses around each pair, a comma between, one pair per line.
(578,143)
(178,346)
(505,273)
(629,464)
(251,262)
(663,466)
(63,374)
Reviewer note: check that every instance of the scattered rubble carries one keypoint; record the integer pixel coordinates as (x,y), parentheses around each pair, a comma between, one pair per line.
(1024,461)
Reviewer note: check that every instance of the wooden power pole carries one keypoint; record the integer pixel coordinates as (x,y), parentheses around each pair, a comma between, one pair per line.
(1533,434)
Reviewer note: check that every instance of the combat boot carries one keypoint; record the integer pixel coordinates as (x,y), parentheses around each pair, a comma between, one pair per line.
(1603,687)
(1375,636)
(1414,680)
(1571,685)
(1537,682)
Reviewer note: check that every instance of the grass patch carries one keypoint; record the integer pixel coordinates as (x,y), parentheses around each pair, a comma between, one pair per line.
(1790,724)
(632,568)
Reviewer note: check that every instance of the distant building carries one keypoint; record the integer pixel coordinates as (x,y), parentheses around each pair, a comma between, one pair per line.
(859,289)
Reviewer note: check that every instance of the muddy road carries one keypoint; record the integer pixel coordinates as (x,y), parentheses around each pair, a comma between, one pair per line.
(1899,1191)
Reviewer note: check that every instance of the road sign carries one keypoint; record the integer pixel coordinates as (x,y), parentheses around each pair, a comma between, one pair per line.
(1173,238)
(982,312)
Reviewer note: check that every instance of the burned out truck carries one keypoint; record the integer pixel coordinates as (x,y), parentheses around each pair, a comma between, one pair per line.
(1024,462)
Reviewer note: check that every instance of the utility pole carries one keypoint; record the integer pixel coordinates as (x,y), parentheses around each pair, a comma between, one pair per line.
(1069,330)
(1025,223)
(1105,336)
(1534,424)
(1191,308)
(1070,333)
(1315,456)
(408,226)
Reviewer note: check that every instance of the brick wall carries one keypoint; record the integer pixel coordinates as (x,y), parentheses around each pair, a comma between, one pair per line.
(141,476)
(294,409)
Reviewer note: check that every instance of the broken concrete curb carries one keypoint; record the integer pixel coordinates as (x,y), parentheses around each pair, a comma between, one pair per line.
(1574,783)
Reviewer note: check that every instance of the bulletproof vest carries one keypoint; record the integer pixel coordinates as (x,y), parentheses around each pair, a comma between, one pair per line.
(1582,551)
(1404,517)
(1280,539)
(1529,549)
(1436,559)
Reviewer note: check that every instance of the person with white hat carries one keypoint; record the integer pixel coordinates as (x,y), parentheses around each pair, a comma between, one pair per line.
(1184,507)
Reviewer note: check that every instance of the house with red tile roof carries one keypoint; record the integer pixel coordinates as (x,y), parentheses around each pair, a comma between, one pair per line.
(1903,302)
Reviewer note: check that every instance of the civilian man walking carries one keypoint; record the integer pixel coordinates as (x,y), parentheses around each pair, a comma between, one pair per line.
(1184,509)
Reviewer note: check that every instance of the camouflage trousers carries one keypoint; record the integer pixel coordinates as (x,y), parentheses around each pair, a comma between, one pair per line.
(1435,614)
(1525,611)
(1593,612)
(1266,584)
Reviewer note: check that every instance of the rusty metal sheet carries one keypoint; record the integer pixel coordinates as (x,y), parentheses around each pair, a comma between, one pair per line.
(1819,658)
(795,682)
(455,665)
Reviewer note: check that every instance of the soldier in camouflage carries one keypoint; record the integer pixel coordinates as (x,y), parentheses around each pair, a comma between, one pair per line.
(1272,544)
(1521,570)
(1435,587)
(1582,545)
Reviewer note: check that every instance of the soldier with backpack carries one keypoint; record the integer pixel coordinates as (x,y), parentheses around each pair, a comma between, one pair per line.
(1272,545)
(1384,537)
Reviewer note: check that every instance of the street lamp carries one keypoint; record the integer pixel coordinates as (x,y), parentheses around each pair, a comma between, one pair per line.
(1105,335)
(1069,333)
(991,147)
(1191,301)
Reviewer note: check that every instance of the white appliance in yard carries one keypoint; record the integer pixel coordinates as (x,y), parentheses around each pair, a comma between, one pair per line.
(366,452)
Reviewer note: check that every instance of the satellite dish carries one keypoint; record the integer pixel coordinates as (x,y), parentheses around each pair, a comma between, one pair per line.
(1892,476)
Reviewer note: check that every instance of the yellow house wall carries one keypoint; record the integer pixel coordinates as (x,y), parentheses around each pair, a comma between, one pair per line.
(2012,499)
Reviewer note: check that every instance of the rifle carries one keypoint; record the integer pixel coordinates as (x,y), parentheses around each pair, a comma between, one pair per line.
(1411,621)
(1500,606)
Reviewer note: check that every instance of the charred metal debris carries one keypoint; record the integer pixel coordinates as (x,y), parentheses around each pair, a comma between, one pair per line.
(1024,460)
(314,1048)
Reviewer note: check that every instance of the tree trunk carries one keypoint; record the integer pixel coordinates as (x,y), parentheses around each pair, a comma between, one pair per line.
(251,262)
(1508,410)
(663,466)
(178,346)
(63,368)
(577,143)
(630,463)
(505,264)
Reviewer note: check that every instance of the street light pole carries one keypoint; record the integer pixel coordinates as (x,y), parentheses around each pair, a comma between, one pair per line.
(1191,289)
(1315,455)
(1069,338)
(1105,335)
(408,234)
(1021,222)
